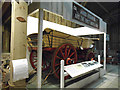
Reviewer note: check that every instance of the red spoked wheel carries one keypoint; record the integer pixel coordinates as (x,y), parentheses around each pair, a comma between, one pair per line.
(91,56)
(65,52)
(33,61)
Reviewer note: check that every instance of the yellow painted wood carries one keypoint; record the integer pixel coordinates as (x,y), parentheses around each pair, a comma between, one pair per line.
(60,38)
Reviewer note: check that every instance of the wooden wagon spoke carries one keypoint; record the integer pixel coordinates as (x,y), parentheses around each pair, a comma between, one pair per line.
(34,58)
(65,51)
(62,53)
(59,57)
(57,64)
(73,58)
(72,54)
(35,61)
(58,71)
(69,51)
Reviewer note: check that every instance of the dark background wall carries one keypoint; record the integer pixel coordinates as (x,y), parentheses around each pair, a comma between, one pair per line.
(114,32)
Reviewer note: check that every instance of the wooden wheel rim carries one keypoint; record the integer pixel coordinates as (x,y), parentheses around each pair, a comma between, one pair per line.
(34,62)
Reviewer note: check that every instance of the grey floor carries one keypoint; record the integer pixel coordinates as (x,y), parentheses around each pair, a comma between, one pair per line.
(110,80)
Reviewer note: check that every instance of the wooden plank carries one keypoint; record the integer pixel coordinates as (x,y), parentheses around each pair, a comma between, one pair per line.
(52,17)
(18,30)
(44,15)
(72,24)
(0,42)
(68,24)
(55,18)
(60,38)
(60,20)
(6,40)
(49,17)
(65,22)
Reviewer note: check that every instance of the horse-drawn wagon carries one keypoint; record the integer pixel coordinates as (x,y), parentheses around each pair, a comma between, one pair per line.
(58,46)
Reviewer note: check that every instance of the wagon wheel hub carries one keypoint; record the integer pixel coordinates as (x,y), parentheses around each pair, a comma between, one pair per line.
(68,61)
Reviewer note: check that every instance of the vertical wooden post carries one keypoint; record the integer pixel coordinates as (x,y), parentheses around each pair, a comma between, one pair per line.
(1,31)
(0,51)
(0,46)
(0,41)
(18,35)
(18,30)
(39,63)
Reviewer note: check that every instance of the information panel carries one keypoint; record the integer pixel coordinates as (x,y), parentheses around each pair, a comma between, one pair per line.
(84,16)
(81,68)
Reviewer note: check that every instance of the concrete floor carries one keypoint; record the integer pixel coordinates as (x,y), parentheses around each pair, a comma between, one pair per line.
(51,82)
(110,80)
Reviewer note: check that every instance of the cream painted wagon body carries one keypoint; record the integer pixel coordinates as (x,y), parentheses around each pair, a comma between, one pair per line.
(58,46)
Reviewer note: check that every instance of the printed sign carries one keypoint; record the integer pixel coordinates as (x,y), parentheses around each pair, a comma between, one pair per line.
(84,16)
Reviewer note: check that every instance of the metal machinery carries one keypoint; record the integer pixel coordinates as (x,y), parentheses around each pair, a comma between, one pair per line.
(59,46)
